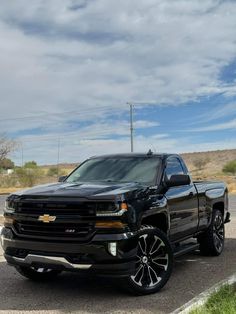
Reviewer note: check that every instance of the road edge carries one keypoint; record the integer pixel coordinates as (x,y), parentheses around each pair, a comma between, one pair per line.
(202,297)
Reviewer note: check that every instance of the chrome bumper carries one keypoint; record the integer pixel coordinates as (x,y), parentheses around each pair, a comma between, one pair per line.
(50,260)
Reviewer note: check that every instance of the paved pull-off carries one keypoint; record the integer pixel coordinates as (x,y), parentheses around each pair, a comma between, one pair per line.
(71,293)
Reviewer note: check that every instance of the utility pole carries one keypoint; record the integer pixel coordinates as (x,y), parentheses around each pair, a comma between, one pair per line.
(131,127)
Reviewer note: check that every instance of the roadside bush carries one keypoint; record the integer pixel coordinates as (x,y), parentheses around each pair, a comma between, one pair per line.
(55,172)
(31,164)
(8,181)
(52,172)
(28,176)
(201,163)
(230,167)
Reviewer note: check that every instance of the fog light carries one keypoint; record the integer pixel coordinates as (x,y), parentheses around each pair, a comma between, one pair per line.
(112,248)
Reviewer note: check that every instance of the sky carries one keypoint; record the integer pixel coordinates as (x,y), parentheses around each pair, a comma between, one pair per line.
(68,69)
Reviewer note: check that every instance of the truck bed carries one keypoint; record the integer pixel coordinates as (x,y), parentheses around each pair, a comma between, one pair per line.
(203,186)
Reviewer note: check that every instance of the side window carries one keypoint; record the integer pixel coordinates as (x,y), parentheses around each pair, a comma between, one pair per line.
(173,166)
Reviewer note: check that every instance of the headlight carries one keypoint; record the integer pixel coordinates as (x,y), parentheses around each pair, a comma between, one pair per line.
(9,206)
(111,210)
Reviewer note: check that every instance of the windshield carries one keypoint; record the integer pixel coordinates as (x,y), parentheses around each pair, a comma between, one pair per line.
(117,169)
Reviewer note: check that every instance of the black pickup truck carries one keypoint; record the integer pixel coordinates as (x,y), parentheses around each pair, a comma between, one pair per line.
(125,216)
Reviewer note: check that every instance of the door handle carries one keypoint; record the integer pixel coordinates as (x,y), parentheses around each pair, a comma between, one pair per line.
(191,194)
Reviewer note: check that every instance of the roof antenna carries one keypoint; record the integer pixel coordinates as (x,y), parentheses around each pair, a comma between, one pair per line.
(150,153)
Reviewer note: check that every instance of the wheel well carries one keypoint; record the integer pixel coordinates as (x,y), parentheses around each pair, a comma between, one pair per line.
(220,206)
(159,221)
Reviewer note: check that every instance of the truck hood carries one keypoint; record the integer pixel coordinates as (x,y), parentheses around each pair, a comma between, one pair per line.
(83,190)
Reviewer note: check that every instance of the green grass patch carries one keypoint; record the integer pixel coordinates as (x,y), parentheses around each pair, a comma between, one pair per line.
(220,302)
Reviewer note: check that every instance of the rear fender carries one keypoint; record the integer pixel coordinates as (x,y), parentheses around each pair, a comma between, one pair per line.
(216,199)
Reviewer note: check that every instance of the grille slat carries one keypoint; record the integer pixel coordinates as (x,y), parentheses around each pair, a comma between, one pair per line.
(75,230)
(84,208)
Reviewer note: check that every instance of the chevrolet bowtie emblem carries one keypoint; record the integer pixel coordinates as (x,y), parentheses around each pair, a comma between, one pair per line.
(47,218)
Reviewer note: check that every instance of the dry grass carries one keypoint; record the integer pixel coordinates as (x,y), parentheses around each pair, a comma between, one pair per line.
(232,188)
(10,190)
(213,168)
(11,184)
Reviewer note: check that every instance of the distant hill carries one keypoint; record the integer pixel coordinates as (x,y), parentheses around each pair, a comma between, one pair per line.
(216,160)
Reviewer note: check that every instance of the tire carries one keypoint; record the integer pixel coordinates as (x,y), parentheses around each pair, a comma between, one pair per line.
(154,262)
(212,241)
(37,274)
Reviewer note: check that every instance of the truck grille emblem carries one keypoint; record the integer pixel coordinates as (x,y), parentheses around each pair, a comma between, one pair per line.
(47,218)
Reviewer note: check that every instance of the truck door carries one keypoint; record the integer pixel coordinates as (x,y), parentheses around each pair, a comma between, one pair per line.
(182,202)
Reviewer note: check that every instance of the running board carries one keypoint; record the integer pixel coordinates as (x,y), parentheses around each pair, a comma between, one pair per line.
(185,248)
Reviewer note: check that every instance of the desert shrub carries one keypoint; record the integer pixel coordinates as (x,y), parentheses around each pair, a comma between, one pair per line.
(8,181)
(52,172)
(200,163)
(230,167)
(31,164)
(28,176)
(55,172)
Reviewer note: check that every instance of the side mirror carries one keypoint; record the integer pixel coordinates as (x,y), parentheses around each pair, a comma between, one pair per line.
(178,180)
(62,178)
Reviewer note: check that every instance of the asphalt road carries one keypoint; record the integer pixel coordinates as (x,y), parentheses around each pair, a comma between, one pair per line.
(71,293)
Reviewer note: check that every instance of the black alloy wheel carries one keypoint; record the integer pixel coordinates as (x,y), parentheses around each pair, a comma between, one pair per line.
(212,241)
(154,261)
(218,232)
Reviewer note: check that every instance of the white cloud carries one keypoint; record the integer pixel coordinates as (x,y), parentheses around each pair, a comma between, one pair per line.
(217,127)
(92,57)
(46,151)
(219,112)
(78,149)
(109,52)
(142,124)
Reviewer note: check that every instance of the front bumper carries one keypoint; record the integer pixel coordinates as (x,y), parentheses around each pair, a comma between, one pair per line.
(93,256)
